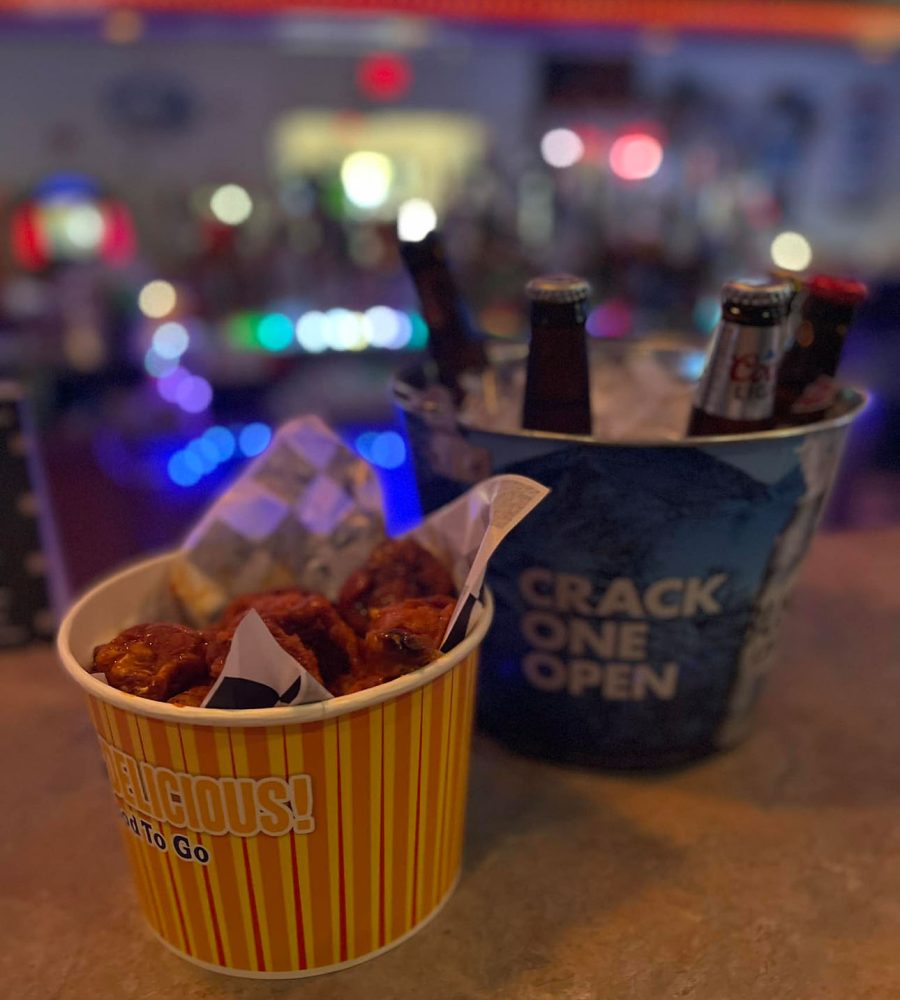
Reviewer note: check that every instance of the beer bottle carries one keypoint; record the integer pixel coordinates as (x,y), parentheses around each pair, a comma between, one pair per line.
(451,341)
(557,381)
(736,394)
(806,387)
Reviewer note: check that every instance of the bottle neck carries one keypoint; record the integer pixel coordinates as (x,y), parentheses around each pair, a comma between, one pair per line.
(557,387)
(742,314)
(558,315)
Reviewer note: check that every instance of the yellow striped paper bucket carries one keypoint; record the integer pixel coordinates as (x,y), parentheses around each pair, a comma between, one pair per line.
(288,841)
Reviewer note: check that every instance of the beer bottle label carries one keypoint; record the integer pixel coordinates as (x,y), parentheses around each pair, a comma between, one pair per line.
(743,387)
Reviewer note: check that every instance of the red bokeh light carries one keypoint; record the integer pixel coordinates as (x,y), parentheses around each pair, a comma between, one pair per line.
(384,77)
(635,156)
(28,245)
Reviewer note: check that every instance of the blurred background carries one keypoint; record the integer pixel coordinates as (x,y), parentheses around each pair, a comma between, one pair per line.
(198,216)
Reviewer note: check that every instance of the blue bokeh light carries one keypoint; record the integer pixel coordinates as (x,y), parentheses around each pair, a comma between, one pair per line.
(222,439)
(691,365)
(158,366)
(204,452)
(388,450)
(254,439)
(363,444)
(182,471)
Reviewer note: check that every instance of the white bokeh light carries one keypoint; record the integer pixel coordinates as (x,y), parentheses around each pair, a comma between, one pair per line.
(791,251)
(231,204)
(345,330)
(367,178)
(383,326)
(312,332)
(415,220)
(84,227)
(561,147)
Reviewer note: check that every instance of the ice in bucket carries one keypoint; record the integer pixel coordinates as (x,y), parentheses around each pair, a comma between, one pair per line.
(298,839)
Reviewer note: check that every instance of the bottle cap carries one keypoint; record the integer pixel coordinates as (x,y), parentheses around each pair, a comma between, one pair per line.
(560,288)
(844,291)
(774,296)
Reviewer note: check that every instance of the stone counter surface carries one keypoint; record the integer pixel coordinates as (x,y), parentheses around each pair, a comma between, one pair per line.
(769,872)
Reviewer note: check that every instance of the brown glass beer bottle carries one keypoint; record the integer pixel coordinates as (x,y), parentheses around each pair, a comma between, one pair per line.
(557,381)
(806,387)
(736,394)
(451,342)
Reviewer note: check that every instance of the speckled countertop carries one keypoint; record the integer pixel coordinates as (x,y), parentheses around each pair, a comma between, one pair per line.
(769,872)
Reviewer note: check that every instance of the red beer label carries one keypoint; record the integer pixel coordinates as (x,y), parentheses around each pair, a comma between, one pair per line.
(741,386)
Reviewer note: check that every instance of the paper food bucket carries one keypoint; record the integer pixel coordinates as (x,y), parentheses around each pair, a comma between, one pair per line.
(289,841)
(637,608)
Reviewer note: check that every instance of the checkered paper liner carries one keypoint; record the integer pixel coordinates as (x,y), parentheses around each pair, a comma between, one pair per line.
(307,513)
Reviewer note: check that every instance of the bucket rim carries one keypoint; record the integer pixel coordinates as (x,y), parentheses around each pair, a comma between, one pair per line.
(248,717)
(854,399)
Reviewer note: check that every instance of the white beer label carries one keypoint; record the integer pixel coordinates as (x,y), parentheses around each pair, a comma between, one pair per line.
(739,381)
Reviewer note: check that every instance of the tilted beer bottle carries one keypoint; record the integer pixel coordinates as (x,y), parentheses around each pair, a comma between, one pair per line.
(451,341)
(806,387)
(736,394)
(557,382)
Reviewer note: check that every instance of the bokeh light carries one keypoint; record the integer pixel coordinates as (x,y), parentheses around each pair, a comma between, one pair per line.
(363,444)
(193,394)
(791,251)
(240,329)
(167,386)
(404,332)
(382,326)
(231,204)
(184,470)
(254,439)
(312,332)
(222,440)
(345,331)
(707,313)
(419,335)
(367,178)
(561,147)
(204,452)
(275,332)
(157,299)
(384,76)
(635,156)
(415,219)
(84,226)
(170,340)
(691,365)
(612,319)
(157,365)
(388,450)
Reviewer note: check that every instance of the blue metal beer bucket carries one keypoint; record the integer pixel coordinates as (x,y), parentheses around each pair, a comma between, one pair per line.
(638,605)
